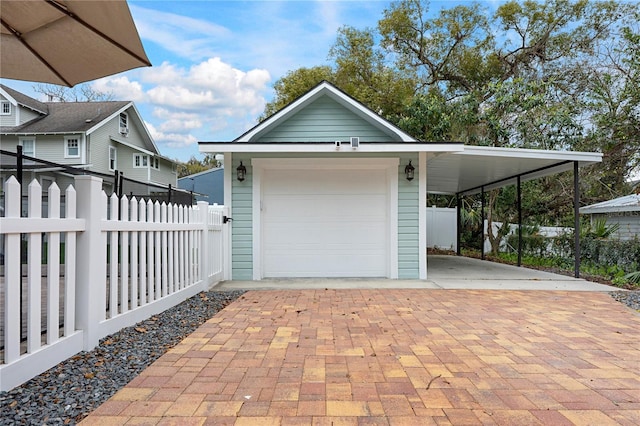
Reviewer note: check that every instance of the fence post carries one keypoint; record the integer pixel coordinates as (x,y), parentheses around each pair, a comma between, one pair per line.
(19,163)
(91,262)
(116,182)
(205,255)
(226,245)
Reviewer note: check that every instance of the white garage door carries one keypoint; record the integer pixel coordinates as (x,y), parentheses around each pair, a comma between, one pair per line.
(325,223)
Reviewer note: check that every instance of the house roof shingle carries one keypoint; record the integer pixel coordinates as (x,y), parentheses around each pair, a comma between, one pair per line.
(25,100)
(69,117)
(61,117)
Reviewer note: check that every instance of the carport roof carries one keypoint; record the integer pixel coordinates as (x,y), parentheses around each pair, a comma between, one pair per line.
(451,167)
(476,167)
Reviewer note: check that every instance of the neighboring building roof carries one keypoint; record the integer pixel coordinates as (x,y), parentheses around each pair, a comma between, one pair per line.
(24,100)
(69,117)
(204,172)
(628,203)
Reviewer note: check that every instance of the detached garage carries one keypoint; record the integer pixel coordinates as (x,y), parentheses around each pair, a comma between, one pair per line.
(327,188)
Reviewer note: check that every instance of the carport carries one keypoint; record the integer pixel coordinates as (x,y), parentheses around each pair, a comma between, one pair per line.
(478,169)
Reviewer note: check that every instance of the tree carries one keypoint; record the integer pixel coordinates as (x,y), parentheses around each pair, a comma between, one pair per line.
(80,93)
(363,70)
(613,105)
(295,84)
(193,165)
(559,75)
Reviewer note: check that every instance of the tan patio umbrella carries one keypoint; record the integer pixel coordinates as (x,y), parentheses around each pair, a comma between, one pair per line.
(67,42)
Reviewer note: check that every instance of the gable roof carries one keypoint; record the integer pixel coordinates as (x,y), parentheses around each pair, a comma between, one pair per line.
(628,203)
(70,117)
(23,100)
(325,88)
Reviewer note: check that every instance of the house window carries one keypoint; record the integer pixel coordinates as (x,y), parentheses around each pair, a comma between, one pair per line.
(5,108)
(28,146)
(155,163)
(140,160)
(124,123)
(113,157)
(72,148)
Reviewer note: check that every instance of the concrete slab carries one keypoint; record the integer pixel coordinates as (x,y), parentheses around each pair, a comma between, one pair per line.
(322,283)
(444,272)
(457,272)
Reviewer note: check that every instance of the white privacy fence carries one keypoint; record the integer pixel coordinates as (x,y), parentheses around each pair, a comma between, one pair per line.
(110,263)
(441,228)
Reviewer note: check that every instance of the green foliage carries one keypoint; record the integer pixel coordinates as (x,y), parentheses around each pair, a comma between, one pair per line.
(598,229)
(633,277)
(196,166)
(295,84)
(557,75)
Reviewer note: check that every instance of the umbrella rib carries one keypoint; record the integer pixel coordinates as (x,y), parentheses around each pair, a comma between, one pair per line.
(18,35)
(71,15)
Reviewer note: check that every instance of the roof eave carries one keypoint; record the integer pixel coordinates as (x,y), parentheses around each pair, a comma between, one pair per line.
(327,147)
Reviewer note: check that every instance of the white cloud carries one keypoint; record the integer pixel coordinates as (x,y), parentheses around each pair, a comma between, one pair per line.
(121,88)
(172,140)
(209,84)
(188,104)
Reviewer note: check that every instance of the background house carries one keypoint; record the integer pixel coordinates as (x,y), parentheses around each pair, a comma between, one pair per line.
(207,185)
(622,211)
(101,137)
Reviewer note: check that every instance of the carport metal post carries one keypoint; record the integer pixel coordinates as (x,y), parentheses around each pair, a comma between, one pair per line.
(458,223)
(482,224)
(519,221)
(576,220)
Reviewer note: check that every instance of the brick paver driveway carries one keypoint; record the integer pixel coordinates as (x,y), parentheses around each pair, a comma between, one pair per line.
(397,357)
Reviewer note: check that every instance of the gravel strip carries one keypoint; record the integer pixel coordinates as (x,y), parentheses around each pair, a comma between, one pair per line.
(68,392)
(629,298)
(74,388)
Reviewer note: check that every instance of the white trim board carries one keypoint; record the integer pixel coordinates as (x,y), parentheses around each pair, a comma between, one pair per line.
(344,149)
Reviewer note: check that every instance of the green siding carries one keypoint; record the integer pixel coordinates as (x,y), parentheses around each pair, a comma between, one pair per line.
(408,222)
(242,225)
(408,207)
(324,120)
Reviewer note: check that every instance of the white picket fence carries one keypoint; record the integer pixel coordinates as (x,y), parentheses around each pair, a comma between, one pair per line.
(124,261)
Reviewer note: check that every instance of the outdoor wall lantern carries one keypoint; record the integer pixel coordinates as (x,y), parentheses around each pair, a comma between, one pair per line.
(408,171)
(241,171)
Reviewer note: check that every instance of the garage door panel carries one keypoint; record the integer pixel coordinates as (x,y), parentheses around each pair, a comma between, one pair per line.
(359,236)
(325,223)
(337,266)
(329,182)
(342,207)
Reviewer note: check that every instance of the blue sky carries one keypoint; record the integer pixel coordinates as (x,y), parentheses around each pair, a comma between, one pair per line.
(215,62)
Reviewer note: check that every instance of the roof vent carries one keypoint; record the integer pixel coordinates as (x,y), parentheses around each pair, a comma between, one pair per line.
(355,142)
